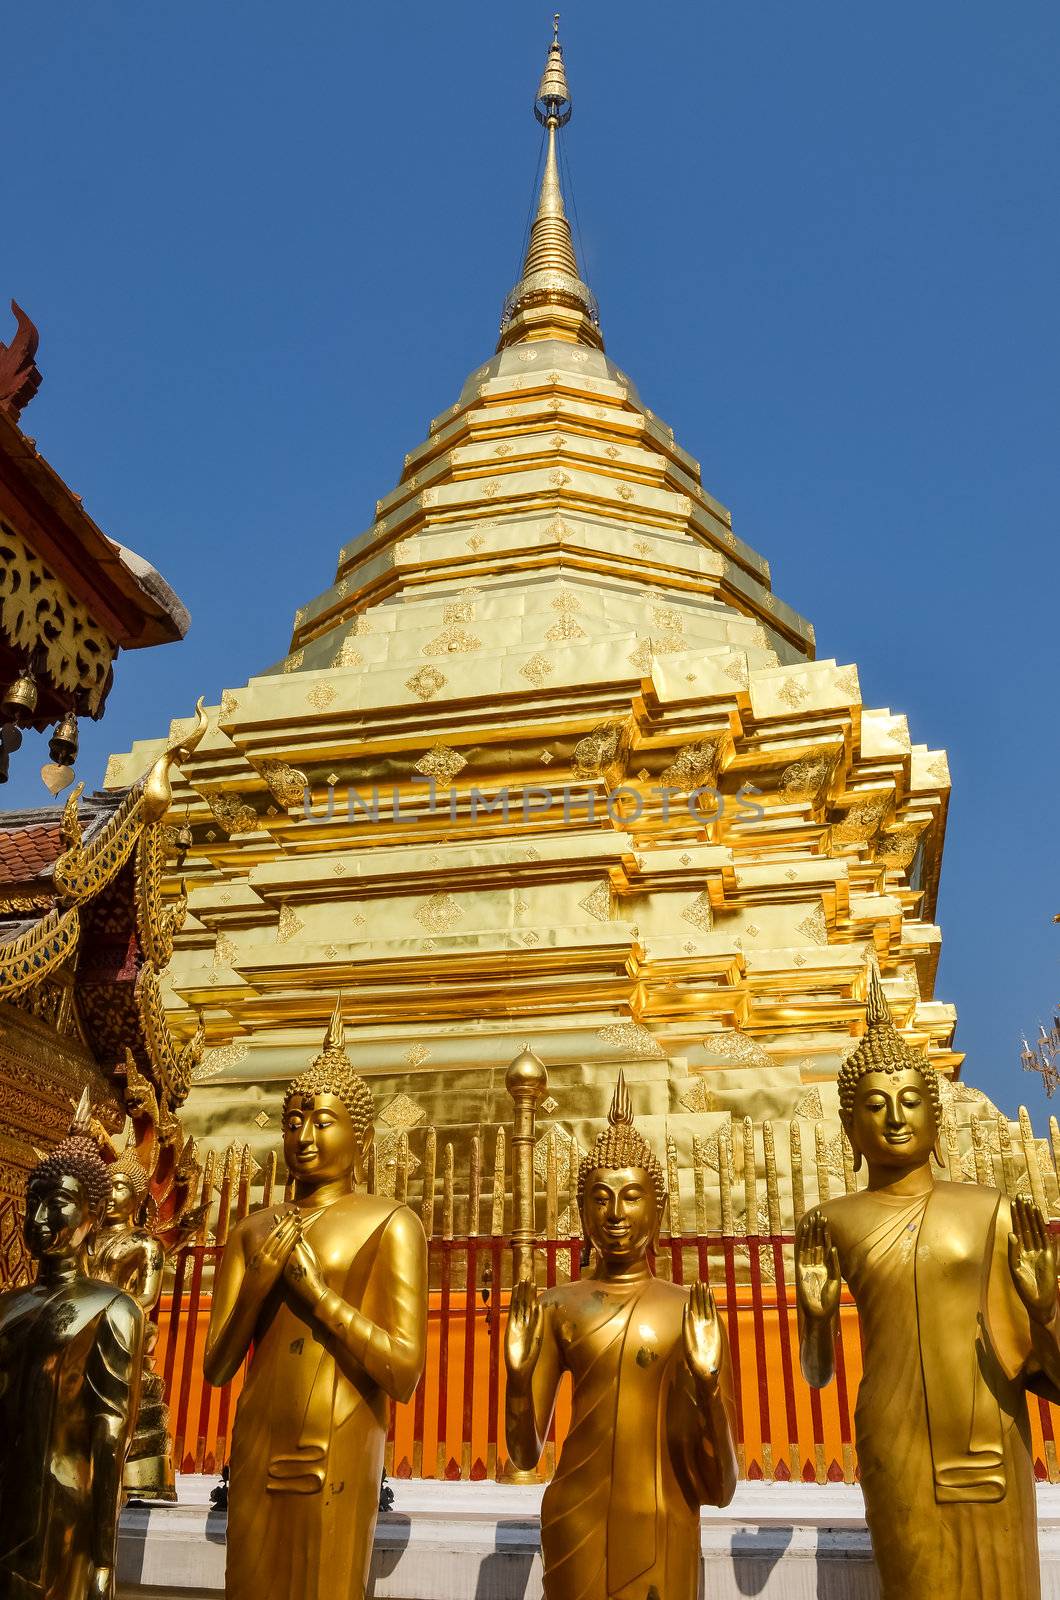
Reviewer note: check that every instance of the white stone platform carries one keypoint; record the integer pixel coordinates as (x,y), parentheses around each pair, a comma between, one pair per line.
(479,1541)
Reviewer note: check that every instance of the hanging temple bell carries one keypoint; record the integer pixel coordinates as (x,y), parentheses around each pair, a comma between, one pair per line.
(20,698)
(62,747)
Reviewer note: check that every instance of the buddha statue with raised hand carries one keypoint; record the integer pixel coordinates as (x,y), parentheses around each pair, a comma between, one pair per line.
(651,1435)
(70,1350)
(330,1291)
(957,1295)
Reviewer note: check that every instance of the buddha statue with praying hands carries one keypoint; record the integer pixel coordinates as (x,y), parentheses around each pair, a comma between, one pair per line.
(651,1434)
(957,1295)
(328,1294)
(70,1351)
(127,1253)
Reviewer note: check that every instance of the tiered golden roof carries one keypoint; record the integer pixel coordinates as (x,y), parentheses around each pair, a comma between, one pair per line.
(550,602)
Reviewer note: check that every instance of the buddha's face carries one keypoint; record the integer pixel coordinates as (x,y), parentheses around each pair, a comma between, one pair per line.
(620,1214)
(320,1142)
(122,1202)
(893,1122)
(59,1217)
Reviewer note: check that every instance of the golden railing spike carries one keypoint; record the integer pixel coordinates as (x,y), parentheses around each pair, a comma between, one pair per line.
(497,1198)
(772,1181)
(849,1177)
(430,1158)
(551,1185)
(750,1182)
(699,1184)
(448,1189)
(1030,1156)
(573,1216)
(798,1183)
(474,1185)
(401,1170)
(952,1148)
(821,1160)
(268,1182)
(673,1188)
(725,1180)
(981,1154)
(1008,1166)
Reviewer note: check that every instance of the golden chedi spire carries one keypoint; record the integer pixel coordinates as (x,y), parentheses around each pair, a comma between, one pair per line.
(550,301)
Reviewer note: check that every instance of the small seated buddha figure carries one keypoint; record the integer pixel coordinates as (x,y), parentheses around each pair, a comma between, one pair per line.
(957,1295)
(70,1352)
(125,1252)
(329,1293)
(651,1436)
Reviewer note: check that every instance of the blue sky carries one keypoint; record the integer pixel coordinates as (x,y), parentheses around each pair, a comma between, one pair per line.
(264,245)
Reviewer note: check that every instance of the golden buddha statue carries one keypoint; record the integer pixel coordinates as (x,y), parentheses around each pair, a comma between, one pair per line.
(331,1292)
(651,1435)
(957,1294)
(70,1349)
(125,1252)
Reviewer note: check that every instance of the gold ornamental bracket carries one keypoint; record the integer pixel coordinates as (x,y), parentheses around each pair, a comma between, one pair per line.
(83,870)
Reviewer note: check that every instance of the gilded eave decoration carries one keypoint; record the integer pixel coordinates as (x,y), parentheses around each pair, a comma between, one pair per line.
(86,868)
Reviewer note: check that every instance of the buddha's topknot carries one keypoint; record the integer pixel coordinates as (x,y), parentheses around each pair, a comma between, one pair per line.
(882,1049)
(620,1145)
(77,1156)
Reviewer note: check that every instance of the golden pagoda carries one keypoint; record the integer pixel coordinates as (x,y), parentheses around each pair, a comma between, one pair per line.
(550,764)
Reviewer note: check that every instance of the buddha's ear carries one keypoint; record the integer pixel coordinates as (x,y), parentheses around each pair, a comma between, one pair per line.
(847,1124)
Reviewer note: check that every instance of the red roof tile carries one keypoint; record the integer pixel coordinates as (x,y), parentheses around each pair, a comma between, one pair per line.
(25,852)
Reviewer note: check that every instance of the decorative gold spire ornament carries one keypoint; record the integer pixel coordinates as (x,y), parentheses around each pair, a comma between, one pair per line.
(69,1377)
(331,1293)
(652,1429)
(550,301)
(956,1292)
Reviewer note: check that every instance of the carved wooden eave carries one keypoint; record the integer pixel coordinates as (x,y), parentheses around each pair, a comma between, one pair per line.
(70,597)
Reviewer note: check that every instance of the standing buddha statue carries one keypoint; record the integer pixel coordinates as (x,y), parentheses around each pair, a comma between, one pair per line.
(70,1350)
(651,1434)
(956,1291)
(125,1252)
(330,1294)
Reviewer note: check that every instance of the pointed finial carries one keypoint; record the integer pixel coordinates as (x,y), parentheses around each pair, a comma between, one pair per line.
(335,1037)
(553,105)
(82,1123)
(550,301)
(877,1011)
(620,1114)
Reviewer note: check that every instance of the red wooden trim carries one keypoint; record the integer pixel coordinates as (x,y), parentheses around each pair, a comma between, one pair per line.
(728,1247)
(790,1413)
(470,1316)
(443,1354)
(174,1319)
(845,1432)
(493,1418)
(188,1353)
(758,1314)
